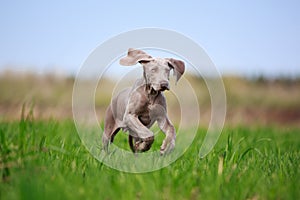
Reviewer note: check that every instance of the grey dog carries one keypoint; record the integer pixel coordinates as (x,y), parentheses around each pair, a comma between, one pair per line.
(137,108)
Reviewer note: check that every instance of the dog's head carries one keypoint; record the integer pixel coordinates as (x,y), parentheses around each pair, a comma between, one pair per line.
(156,70)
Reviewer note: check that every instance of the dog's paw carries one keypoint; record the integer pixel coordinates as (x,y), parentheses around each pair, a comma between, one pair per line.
(167,147)
(143,145)
(139,145)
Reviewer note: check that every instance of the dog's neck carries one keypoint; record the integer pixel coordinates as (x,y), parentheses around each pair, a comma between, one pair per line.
(152,94)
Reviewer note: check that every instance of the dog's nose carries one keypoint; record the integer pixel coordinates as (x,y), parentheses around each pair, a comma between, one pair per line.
(164,85)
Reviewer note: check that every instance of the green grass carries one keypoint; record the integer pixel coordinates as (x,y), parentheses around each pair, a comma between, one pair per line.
(46,160)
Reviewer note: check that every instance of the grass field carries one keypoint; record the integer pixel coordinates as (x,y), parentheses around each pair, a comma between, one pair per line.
(46,160)
(256,157)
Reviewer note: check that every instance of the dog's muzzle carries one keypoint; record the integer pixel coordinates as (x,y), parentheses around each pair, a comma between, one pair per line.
(164,86)
(160,87)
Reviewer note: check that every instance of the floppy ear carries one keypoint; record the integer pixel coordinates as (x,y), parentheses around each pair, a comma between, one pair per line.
(134,56)
(178,67)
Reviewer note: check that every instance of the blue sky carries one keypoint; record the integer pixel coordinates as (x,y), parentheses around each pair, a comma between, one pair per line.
(241,37)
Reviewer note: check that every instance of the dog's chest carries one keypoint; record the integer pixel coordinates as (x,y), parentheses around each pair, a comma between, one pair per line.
(146,117)
(146,113)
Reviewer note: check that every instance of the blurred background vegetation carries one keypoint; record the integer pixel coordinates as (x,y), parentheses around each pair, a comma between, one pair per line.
(250,101)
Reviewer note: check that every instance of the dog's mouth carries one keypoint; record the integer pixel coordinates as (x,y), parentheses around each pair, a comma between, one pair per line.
(153,91)
(159,88)
(156,91)
(163,88)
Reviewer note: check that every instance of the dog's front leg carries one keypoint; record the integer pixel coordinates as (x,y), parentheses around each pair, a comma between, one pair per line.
(169,142)
(137,104)
(134,124)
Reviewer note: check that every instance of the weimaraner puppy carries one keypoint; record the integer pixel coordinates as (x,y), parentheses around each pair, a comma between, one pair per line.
(137,108)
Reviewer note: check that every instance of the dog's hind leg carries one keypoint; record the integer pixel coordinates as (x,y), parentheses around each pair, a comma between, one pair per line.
(110,129)
(139,145)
